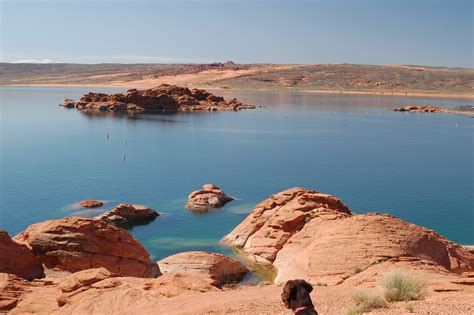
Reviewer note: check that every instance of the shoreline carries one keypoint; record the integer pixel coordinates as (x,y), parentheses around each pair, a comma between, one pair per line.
(213,88)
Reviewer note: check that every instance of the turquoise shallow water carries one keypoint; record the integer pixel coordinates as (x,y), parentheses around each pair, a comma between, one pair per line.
(418,167)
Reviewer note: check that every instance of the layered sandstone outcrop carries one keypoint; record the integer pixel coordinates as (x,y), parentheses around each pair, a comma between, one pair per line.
(208,198)
(129,214)
(310,235)
(18,259)
(91,203)
(74,244)
(96,291)
(163,97)
(221,269)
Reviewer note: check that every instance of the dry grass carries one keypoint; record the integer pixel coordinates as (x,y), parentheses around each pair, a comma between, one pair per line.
(366,301)
(353,311)
(400,285)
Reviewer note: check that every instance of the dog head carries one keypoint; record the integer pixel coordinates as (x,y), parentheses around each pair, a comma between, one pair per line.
(296,294)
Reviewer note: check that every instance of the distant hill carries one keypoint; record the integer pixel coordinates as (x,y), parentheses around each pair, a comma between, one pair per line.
(331,78)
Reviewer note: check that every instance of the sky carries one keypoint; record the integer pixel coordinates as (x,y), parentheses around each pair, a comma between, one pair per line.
(417,32)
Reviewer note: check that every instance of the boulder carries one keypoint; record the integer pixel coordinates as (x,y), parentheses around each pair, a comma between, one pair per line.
(275,220)
(129,214)
(221,269)
(91,203)
(77,243)
(69,103)
(18,259)
(309,235)
(208,198)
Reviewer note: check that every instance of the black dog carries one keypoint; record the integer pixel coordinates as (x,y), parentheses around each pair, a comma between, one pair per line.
(296,297)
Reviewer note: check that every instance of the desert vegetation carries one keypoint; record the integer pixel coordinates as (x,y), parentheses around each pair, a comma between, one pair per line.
(400,285)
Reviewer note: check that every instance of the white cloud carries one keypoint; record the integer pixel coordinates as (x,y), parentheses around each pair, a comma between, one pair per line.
(34,61)
(112,58)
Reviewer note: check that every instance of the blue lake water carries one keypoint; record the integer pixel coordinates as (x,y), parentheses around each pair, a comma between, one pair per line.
(418,167)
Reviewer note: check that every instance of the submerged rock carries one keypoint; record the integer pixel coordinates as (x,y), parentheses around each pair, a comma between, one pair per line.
(74,244)
(208,198)
(309,235)
(221,269)
(91,204)
(129,214)
(18,259)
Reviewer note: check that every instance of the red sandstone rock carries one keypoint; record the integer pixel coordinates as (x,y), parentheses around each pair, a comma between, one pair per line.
(125,213)
(91,203)
(309,235)
(37,296)
(74,244)
(220,268)
(96,291)
(115,295)
(18,259)
(69,103)
(85,278)
(163,97)
(208,198)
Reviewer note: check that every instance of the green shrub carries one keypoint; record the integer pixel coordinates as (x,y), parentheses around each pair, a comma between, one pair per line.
(409,307)
(366,302)
(402,286)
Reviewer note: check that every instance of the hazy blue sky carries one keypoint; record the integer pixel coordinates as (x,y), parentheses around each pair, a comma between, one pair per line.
(424,32)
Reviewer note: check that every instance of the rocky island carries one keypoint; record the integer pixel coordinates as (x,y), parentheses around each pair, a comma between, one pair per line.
(210,197)
(466,110)
(86,265)
(127,214)
(421,109)
(161,98)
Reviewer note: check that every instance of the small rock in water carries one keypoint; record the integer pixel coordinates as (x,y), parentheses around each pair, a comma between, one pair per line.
(129,214)
(91,203)
(208,198)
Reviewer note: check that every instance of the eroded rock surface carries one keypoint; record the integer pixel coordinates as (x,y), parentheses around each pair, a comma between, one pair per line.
(18,259)
(129,214)
(96,291)
(208,198)
(306,234)
(221,269)
(77,243)
(163,97)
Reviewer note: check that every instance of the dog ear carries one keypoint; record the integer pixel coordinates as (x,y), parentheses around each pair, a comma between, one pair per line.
(307,286)
(289,293)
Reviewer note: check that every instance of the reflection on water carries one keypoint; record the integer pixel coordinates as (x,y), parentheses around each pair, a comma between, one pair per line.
(415,166)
